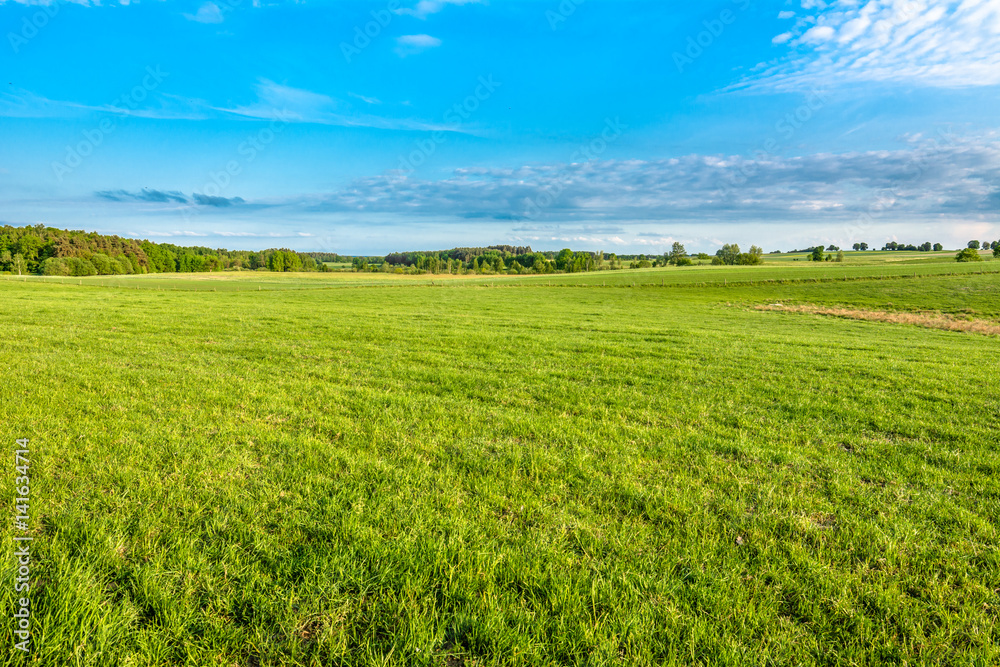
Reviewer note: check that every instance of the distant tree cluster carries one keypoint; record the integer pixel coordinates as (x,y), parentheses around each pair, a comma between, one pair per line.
(923,247)
(971,252)
(490,260)
(521,260)
(730,255)
(328,257)
(984,245)
(56,252)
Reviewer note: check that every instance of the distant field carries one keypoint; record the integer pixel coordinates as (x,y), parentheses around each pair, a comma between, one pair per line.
(315,469)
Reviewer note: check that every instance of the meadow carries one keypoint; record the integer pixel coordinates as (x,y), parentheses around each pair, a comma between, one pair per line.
(616,468)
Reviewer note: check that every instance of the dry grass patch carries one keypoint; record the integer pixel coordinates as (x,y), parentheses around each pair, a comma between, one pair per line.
(921,319)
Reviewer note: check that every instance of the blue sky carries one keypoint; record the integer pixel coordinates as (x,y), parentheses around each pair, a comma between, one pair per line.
(370,127)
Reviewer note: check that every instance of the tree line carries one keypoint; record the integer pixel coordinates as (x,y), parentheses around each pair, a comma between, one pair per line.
(524,260)
(57,252)
(49,251)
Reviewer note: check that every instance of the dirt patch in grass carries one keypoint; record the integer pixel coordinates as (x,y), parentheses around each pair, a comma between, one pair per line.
(920,319)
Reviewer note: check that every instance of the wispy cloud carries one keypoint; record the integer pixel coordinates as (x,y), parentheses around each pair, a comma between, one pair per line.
(20,103)
(274,102)
(207,13)
(365,99)
(250,235)
(425,8)
(167,196)
(45,3)
(207,200)
(952,43)
(164,234)
(146,195)
(294,105)
(409,45)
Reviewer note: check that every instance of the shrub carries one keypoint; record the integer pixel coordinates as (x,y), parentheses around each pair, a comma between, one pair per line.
(968,255)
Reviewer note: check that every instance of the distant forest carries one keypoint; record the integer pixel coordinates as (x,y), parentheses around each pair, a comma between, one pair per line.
(57,252)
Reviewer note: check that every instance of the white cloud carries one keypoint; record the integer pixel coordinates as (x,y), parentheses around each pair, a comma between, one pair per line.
(425,8)
(409,45)
(207,13)
(949,43)
(818,34)
(946,179)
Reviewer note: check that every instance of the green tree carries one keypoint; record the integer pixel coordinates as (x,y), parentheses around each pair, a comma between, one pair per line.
(840,256)
(755,256)
(80,267)
(974,245)
(817,254)
(102,263)
(18,264)
(564,257)
(968,255)
(938,247)
(55,266)
(729,254)
(677,252)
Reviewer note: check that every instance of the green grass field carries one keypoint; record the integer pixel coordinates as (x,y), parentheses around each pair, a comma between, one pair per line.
(255,469)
